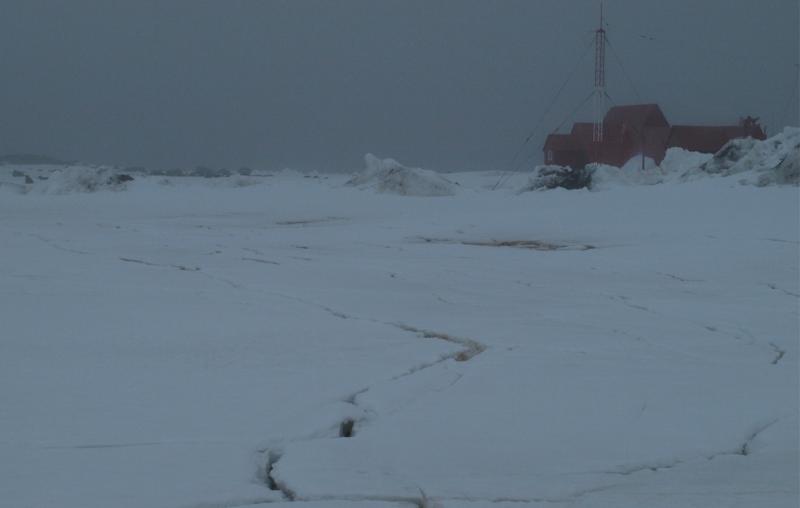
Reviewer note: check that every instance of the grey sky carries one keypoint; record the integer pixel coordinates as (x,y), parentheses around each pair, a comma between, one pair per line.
(316,84)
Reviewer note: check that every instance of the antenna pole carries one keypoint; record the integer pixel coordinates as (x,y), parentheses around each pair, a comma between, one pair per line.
(599,79)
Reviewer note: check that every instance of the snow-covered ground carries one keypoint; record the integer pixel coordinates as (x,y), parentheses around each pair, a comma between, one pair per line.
(286,340)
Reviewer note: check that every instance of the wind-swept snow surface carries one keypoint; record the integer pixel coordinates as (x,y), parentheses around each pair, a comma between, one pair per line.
(189,343)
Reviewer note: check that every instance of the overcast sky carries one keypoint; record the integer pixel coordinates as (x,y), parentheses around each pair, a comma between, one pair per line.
(307,84)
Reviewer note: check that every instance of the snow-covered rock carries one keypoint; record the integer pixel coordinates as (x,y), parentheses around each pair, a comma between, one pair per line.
(391,177)
(553,177)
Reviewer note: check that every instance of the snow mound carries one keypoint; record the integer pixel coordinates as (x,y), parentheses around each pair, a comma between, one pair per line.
(678,161)
(773,161)
(631,173)
(76,179)
(391,177)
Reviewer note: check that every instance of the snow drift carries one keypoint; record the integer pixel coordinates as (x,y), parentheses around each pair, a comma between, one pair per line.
(391,177)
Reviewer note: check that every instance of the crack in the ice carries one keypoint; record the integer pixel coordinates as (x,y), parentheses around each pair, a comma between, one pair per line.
(744,448)
(779,353)
(56,246)
(625,300)
(519,244)
(347,427)
(353,398)
(238,503)
(333,312)
(570,498)
(654,467)
(306,222)
(678,278)
(775,287)
(259,260)
(780,240)
(274,484)
(472,348)
(415,502)
(182,268)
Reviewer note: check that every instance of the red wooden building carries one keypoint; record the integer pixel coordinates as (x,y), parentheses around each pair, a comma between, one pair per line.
(638,129)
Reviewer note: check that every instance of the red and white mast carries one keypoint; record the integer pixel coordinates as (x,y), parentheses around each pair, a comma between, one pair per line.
(599,79)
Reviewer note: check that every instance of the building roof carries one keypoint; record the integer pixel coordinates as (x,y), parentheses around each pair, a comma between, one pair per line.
(636,116)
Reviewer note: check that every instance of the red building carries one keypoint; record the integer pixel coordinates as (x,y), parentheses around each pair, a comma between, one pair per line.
(638,129)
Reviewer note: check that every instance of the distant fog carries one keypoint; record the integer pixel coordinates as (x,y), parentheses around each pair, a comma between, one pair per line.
(316,84)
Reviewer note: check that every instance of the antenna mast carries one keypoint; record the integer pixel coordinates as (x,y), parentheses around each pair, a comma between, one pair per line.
(599,79)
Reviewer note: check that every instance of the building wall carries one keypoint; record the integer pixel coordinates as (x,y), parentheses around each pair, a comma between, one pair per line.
(632,130)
